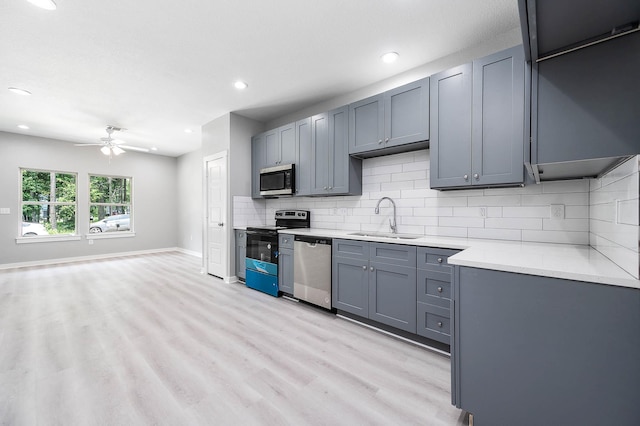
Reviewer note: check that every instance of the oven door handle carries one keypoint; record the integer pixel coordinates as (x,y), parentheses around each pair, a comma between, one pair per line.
(256,233)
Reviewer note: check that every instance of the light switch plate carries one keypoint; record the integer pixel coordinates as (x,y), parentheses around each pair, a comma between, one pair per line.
(5,210)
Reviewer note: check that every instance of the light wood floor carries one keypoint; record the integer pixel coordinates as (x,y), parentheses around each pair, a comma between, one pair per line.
(149,340)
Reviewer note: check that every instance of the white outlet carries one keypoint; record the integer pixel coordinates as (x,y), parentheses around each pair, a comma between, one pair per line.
(5,210)
(557,211)
(90,242)
(483,212)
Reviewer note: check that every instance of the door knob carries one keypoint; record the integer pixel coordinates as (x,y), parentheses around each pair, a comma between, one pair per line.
(220,224)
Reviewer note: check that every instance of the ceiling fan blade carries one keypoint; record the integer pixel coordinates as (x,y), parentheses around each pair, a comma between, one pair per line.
(88,144)
(133,148)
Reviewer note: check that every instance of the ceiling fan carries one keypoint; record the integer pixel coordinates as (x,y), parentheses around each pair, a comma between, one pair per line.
(112,146)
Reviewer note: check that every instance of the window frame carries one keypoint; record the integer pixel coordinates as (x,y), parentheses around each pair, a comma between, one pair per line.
(106,235)
(21,239)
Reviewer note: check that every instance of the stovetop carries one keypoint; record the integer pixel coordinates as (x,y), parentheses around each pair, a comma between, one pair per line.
(286,219)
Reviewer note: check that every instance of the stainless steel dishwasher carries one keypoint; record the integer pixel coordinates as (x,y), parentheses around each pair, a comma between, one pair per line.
(312,270)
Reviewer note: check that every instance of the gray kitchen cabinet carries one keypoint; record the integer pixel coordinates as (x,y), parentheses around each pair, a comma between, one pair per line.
(333,171)
(241,251)
(398,117)
(281,145)
(285,263)
(375,281)
(258,161)
(545,350)
(434,293)
(303,162)
(585,110)
(477,120)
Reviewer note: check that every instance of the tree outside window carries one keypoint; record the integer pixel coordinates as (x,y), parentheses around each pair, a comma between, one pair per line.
(48,203)
(110,204)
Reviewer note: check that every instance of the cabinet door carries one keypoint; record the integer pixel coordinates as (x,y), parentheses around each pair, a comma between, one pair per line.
(258,161)
(350,286)
(366,125)
(498,118)
(303,163)
(406,114)
(319,153)
(287,137)
(450,143)
(272,147)
(339,173)
(392,295)
(285,270)
(434,322)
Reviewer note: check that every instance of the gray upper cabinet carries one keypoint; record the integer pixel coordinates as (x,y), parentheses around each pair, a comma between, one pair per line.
(258,161)
(281,145)
(395,118)
(477,122)
(333,172)
(303,162)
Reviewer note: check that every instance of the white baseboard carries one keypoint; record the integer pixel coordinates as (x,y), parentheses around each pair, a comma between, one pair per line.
(189,252)
(85,258)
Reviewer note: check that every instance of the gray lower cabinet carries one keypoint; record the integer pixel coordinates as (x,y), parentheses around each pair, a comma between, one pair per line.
(477,122)
(375,281)
(241,248)
(333,171)
(285,263)
(395,118)
(534,350)
(434,293)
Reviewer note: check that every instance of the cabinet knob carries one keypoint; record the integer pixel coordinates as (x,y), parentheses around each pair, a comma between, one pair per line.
(241,234)
(439,289)
(325,188)
(466,177)
(380,142)
(364,267)
(439,260)
(371,268)
(386,140)
(330,188)
(440,324)
(476,176)
(286,241)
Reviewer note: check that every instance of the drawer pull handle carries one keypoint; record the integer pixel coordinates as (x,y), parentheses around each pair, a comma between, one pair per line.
(440,324)
(439,260)
(439,289)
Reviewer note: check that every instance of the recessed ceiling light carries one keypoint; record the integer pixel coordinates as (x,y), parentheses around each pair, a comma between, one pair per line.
(44,4)
(19,91)
(240,85)
(389,57)
(23,127)
(188,131)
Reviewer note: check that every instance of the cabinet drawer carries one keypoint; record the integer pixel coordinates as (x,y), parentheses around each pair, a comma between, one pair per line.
(435,258)
(393,254)
(434,322)
(285,241)
(352,249)
(434,287)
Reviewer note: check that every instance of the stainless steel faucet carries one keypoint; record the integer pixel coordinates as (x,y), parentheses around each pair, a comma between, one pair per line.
(392,224)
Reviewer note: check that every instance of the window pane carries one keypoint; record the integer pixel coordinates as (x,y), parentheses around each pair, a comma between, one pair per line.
(112,223)
(46,219)
(99,189)
(65,188)
(120,190)
(110,190)
(100,212)
(36,186)
(38,213)
(64,221)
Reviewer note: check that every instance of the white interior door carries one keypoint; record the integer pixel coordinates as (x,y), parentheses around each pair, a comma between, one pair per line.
(216,216)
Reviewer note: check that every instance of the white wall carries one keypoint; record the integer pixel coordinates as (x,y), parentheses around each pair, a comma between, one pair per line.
(189,198)
(518,214)
(154,197)
(614,215)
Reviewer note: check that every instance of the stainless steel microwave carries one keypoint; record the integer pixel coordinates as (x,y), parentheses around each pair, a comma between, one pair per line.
(278,180)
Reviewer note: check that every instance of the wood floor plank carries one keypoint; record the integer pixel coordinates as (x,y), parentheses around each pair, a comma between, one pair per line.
(150,340)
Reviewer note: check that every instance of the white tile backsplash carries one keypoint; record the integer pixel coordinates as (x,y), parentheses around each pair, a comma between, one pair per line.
(614,215)
(517,214)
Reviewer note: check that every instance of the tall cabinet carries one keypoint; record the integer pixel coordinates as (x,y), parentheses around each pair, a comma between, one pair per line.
(477,122)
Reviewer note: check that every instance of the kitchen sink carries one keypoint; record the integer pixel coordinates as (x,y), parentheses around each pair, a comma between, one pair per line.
(387,235)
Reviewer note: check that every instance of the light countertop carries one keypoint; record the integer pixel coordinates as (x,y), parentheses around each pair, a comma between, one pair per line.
(572,262)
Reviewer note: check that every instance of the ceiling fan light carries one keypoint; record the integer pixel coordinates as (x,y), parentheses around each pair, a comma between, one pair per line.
(117,150)
(105,150)
(44,4)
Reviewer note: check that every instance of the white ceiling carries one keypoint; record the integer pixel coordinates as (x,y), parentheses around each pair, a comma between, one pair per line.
(158,67)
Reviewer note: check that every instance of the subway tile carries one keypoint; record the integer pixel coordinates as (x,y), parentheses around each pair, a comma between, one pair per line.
(433,211)
(628,211)
(367,180)
(495,211)
(568,199)
(416,193)
(409,176)
(445,202)
(396,186)
(410,202)
(419,220)
(623,170)
(526,211)
(528,189)
(421,183)
(469,211)
(371,187)
(576,212)
(581,238)
(565,186)
(496,234)
(513,223)
(416,166)
(466,222)
(496,200)
(566,225)
(384,170)
(445,231)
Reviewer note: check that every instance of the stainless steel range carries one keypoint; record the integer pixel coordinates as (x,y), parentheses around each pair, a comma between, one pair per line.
(262,250)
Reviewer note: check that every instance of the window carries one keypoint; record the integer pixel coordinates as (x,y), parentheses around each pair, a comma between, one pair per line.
(109,204)
(48,203)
